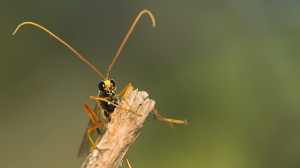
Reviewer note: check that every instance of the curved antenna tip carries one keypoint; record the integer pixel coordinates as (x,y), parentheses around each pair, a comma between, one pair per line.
(150,15)
(21,24)
(16,30)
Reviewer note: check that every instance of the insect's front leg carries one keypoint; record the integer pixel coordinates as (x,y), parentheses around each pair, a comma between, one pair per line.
(106,100)
(124,90)
(123,98)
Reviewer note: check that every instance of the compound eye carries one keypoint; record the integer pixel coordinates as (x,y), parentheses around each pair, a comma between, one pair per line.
(113,83)
(101,85)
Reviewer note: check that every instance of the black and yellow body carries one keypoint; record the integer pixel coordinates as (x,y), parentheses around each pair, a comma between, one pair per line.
(107,88)
(106,103)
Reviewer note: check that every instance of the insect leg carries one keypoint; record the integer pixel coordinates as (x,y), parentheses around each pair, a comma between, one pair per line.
(123,98)
(105,99)
(85,143)
(127,161)
(88,134)
(93,117)
(167,120)
(124,90)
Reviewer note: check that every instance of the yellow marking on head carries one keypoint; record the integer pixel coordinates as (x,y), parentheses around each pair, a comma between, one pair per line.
(107,83)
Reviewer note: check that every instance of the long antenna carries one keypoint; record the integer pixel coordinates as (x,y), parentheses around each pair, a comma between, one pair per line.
(63,42)
(128,34)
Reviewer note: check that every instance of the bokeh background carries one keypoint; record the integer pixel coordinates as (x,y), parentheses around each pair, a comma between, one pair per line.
(230,67)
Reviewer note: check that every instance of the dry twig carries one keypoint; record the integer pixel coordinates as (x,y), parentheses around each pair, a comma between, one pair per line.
(121,132)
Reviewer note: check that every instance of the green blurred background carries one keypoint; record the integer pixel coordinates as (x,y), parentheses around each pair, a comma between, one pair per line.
(230,67)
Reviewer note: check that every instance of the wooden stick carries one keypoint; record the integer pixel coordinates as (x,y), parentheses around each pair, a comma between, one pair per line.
(121,132)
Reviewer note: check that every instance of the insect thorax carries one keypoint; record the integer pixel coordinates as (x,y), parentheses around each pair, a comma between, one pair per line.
(108,107)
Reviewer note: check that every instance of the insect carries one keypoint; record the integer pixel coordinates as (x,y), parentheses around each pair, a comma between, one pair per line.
(107,100)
